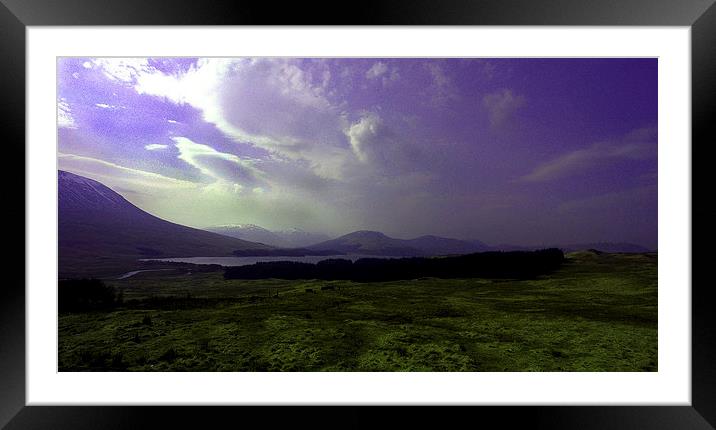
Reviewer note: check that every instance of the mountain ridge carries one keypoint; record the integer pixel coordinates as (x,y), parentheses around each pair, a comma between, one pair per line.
(376,243)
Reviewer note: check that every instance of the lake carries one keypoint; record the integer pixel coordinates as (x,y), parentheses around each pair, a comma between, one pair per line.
(245,261)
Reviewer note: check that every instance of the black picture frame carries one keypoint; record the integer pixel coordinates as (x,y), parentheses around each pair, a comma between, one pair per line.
(16,15)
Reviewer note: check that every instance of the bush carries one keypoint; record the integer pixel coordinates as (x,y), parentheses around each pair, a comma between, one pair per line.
(78,295)
(169,355)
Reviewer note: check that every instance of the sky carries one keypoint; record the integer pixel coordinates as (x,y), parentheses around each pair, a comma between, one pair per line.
(523,151)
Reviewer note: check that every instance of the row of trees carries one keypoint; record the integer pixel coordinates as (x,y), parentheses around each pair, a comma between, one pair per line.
(513,265)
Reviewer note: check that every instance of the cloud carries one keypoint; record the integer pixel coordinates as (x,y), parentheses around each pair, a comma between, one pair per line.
(272,104)
(115,175)
(381,70)
(376,70)
(636,145)
(220,166)
(364,136)
(64,115)
(501,105)
(155,147)
(442,90)
(108,106)
(121,69)
(381,151)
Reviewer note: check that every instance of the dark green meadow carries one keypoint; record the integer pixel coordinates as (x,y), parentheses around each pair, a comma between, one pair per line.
(597,313)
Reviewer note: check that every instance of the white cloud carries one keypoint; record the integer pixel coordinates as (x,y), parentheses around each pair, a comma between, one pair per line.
(638,144)
(218,165)
(155,147)
(501,105)
(364,136)
(381,70)
(269,103)
(64,115)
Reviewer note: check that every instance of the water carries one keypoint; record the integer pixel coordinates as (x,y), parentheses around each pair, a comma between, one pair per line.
(245,261)
(134,272)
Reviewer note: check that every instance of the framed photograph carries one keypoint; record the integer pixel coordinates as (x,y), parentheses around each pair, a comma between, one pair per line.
(484,205)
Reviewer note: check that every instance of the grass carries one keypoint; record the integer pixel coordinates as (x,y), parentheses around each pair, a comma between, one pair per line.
(597,313)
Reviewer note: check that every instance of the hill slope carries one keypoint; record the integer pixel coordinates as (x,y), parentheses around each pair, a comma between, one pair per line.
(98,228)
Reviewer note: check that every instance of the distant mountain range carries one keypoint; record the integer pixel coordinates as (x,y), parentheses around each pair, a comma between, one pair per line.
(292,238)
(98,227)
(368,242)
(376,243)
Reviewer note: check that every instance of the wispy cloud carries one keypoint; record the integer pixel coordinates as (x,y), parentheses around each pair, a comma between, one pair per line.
(442,89)
(220,166)
(501,105)
(376,70)
(638,144)
(64,115)
(382,70)
(114,174)
(155,147)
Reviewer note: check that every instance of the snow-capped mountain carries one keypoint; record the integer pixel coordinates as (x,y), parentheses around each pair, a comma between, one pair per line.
(290,238)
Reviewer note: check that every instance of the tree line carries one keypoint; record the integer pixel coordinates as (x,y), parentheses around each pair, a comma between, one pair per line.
(512,265)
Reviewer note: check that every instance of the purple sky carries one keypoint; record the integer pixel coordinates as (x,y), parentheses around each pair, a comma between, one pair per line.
(522,151)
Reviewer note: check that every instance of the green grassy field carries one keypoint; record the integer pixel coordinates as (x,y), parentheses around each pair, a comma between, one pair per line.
(597,313)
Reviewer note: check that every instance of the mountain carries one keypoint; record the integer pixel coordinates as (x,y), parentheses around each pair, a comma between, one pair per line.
(292,238)
(376,243)
(250,232)
(443,246)
(99,230)
(368,242)
(297,238)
